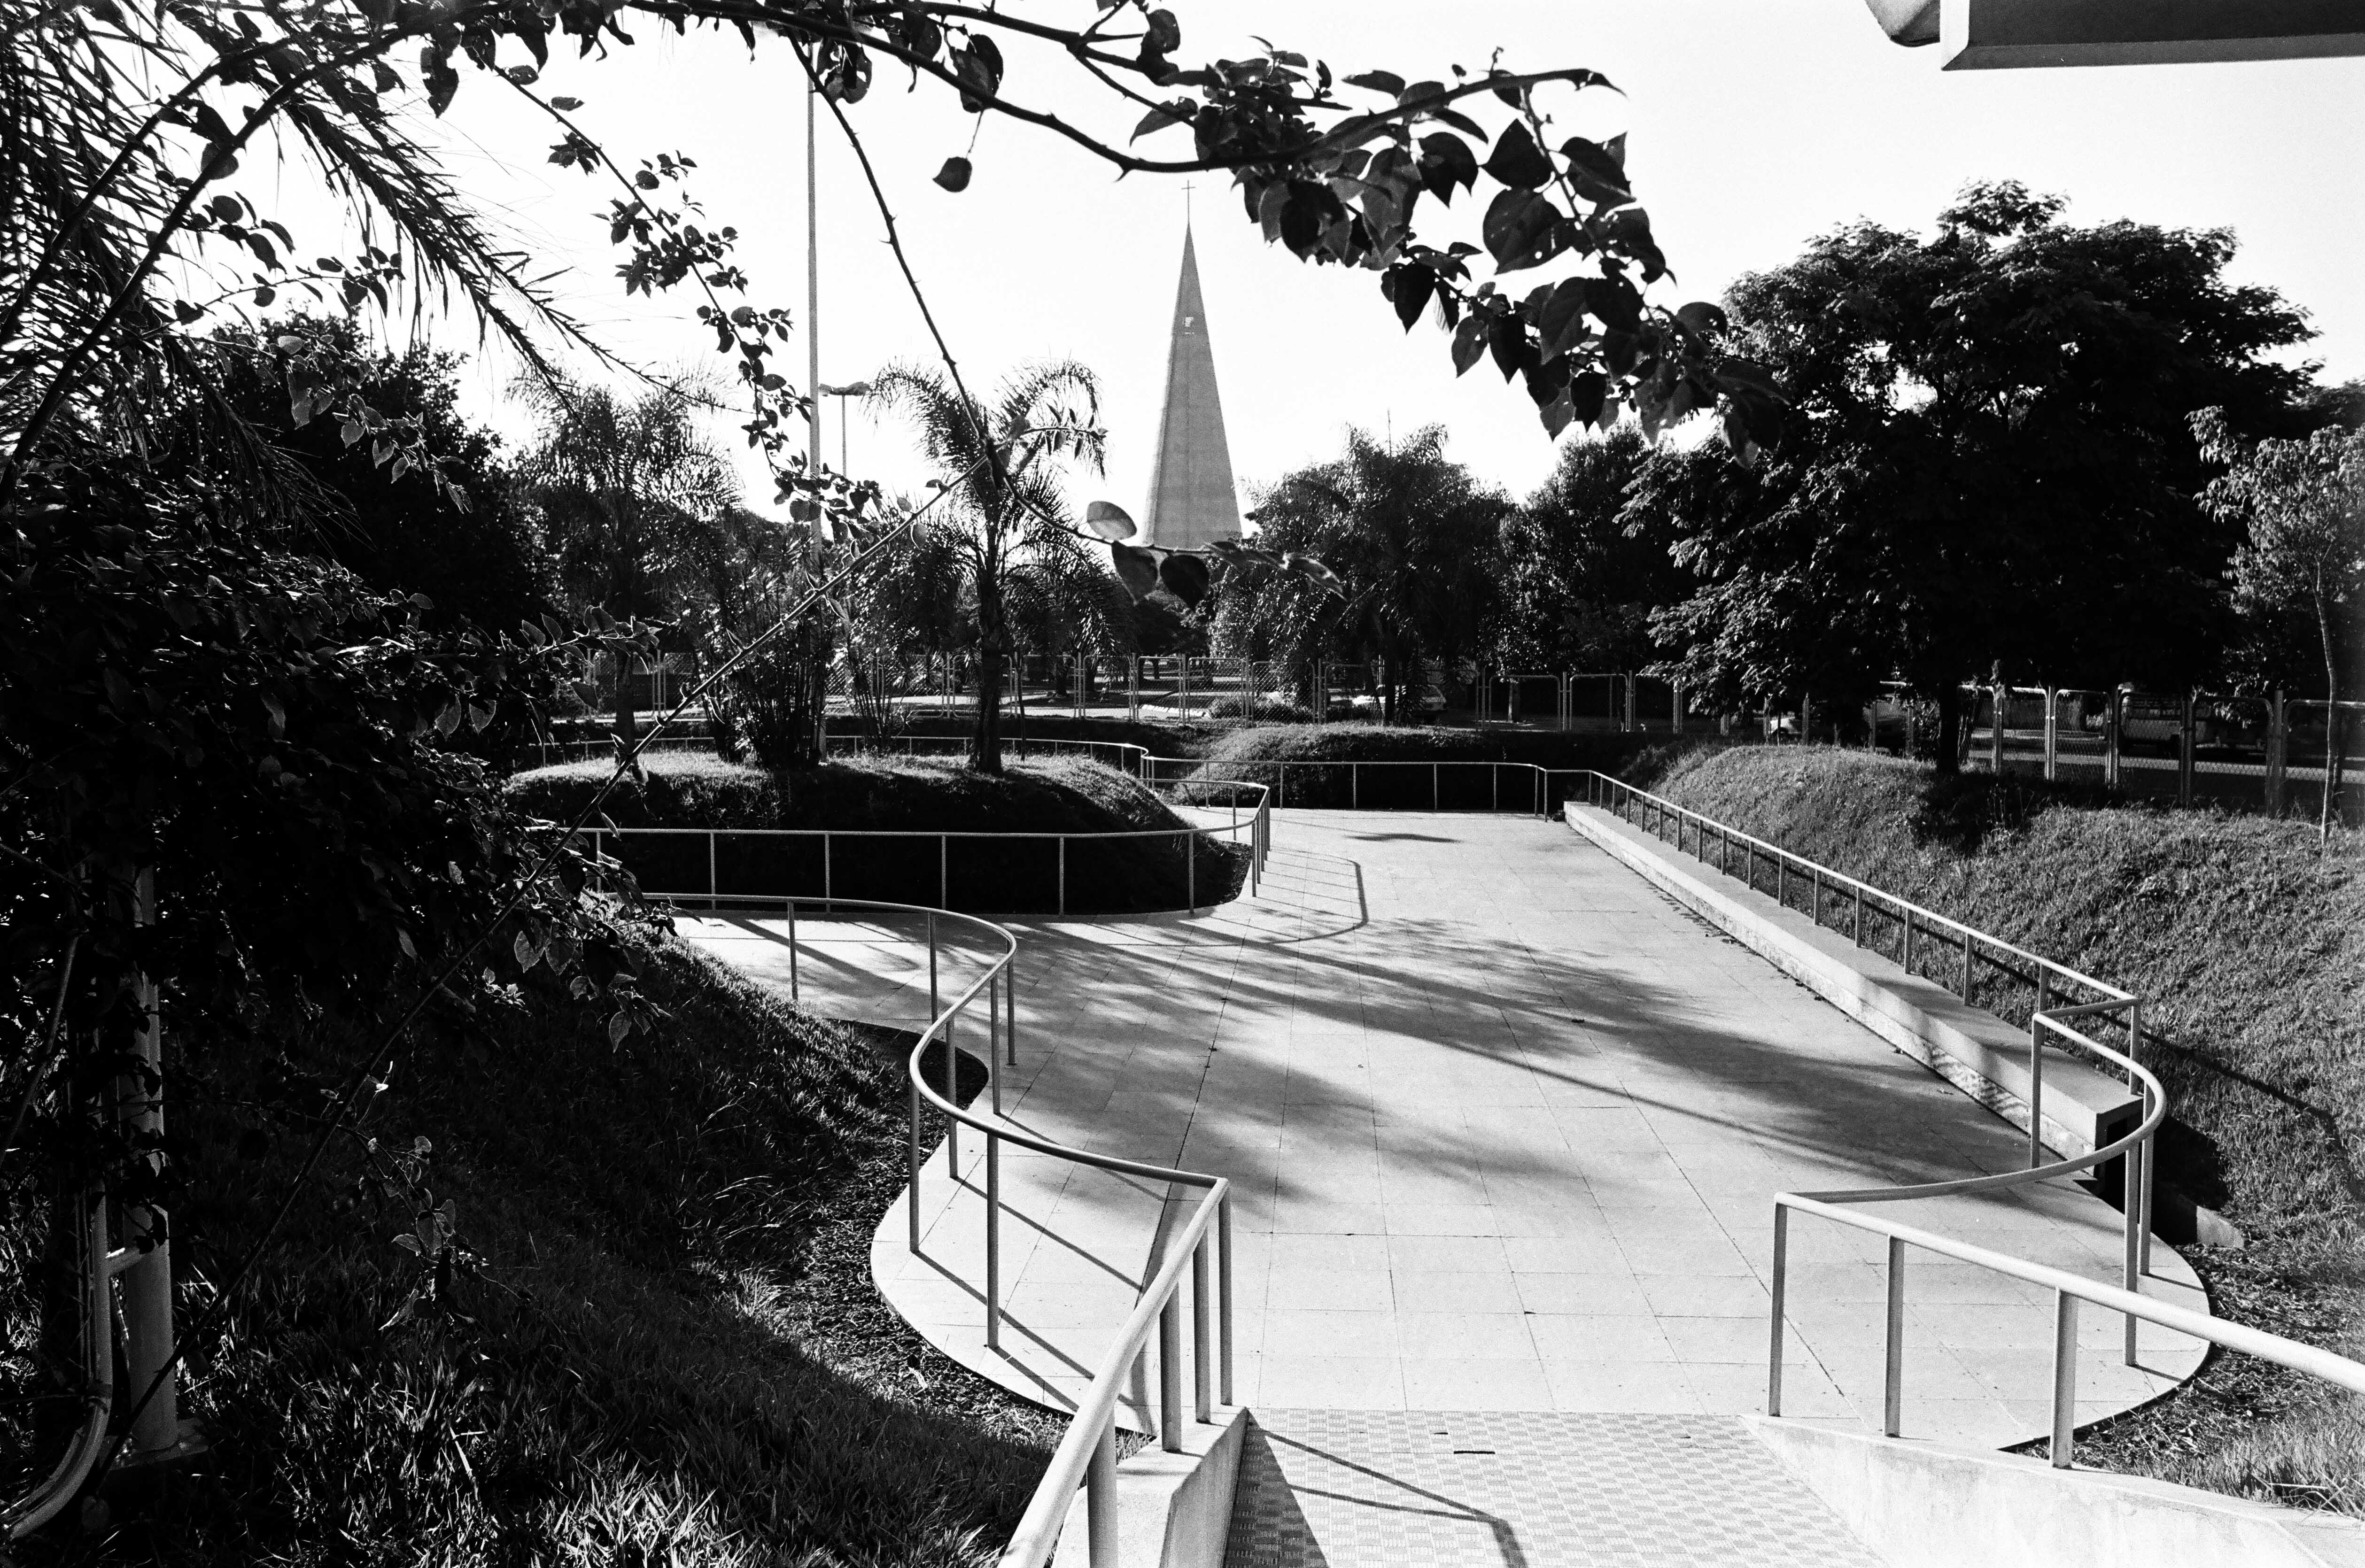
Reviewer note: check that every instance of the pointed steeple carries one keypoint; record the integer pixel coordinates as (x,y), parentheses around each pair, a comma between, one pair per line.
(1190,496)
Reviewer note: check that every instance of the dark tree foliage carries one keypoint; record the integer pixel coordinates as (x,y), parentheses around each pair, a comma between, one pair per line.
(1581,580)
(1986,464)
(480,561)
(1413,542)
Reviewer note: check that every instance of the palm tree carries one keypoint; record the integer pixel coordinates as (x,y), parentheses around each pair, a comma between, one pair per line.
(1414,541)
(633,498)
(1008,536)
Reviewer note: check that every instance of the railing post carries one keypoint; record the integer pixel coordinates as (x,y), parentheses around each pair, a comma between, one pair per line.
(1224,1296)
(1170,1375)
(2110,725)
(934,1007)
(1355,787)
(1100,1501)
(2184,758)
(992,1242)
(2052,733)
(2064,1377)
(828,885)
(1191,869)
(1202,1341)
(794,992)
(712,887)
(2035,1086)
(1995,730)
(1857,934)
(1967,966)
(993,1038)
(1010,1008)
(1909,940)
(2278,753)
(944,872)
(915,1164)
(1892,1398)
(1063,873)
(1781,1275)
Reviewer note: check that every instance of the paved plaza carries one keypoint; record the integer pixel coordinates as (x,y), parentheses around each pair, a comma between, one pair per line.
(1504,1126)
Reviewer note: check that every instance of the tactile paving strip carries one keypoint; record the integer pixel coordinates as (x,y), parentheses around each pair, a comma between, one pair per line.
(1413,1489)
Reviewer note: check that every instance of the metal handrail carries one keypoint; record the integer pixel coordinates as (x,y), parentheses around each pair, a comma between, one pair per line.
(2068,1290)
(1542,795)
(1258,824)
(1906,907)
(1087,1454)
(2137,1147)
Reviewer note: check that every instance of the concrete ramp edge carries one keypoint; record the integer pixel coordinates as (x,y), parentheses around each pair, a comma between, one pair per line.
(1919,1505)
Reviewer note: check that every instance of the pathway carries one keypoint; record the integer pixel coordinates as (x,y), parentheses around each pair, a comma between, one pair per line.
(1505,1126)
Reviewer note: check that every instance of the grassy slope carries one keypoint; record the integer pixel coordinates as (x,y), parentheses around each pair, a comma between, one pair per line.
(2248,941)
(673,1353)
(919,795)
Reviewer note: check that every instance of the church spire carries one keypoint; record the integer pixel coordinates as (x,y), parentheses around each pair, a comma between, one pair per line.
(1192,500)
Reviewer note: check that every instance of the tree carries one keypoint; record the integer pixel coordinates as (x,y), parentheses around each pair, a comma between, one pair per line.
(1414,543)
(2303,502)
(1581,580)
(1986,462)
(1009,538)
(632,498)
(480,562)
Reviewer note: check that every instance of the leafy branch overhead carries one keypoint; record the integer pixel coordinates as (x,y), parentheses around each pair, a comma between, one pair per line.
(134,230)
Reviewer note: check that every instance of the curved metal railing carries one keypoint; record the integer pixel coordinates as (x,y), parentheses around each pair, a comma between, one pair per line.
(1087,1454)
(1249,804)
(1658,816)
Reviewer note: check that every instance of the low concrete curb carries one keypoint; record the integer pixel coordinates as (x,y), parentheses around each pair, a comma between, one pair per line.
(1174,1510)
(1925,1505)
(1975,1050)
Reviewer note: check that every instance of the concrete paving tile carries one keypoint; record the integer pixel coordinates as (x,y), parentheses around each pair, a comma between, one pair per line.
(1334,1290)
(1591,1295)
(1332,1382)
(1652,1389)
(1463,1336)
(1447,1254)
(1294,1332)
(1682,1296)
(1600,1337)
(1475,1384)
(1456,1293)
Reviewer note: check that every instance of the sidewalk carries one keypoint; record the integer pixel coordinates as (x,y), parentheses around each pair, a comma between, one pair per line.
(1504,1126)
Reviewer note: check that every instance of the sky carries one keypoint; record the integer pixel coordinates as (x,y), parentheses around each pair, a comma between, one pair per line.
(1752,125)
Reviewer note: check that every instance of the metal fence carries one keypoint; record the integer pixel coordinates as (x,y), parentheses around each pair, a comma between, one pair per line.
(2256,753)
(688,865)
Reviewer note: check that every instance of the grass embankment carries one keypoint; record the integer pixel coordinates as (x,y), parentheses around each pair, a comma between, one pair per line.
(671,1352)
(1456,782)
(2247,939)
(912,800)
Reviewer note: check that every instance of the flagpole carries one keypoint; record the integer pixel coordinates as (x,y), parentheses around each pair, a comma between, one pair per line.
(813,381)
